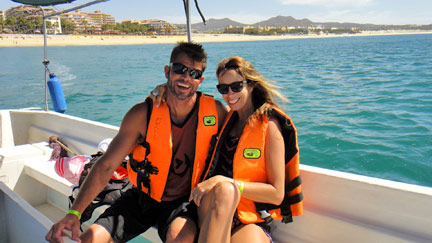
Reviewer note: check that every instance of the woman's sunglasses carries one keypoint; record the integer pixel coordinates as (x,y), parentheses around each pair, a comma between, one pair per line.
(181,69)
(235,86)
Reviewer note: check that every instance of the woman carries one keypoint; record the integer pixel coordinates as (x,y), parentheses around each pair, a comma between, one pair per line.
(248,162)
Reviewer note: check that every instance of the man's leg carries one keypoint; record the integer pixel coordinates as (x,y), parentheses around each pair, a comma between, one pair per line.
(179,221)
(181,229)
(131,215)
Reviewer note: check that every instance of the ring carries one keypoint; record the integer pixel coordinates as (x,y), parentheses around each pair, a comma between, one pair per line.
(155,92)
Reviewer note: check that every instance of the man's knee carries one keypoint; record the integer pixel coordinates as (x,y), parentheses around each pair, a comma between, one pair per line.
(182,229)
(96,233)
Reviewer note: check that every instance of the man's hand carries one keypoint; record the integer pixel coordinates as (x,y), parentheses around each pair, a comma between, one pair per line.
(69,222)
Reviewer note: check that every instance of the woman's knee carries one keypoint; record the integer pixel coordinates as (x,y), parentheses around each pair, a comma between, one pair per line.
(226,195)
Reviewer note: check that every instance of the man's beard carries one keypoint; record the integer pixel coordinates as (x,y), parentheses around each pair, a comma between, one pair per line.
(178,95)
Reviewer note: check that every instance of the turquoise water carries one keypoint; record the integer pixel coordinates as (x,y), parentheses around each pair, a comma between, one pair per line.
(360,104)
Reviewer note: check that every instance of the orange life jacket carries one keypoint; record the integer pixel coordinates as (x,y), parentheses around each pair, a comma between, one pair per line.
(149,163)
(249,166)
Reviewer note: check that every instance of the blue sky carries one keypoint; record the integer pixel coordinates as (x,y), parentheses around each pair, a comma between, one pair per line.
(252,11)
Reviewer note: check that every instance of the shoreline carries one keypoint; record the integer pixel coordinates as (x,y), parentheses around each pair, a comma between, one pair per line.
(28,40)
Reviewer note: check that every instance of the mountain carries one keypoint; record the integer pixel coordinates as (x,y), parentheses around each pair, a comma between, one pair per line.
(218,25)
(215,25)
(283,21)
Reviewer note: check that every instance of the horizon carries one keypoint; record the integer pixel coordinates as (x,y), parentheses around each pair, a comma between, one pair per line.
(379,12)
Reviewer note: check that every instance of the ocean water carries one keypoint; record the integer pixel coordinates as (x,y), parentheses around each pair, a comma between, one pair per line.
(360,104)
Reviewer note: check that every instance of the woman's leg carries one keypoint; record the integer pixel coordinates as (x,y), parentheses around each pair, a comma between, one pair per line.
(249,233)
(216,212)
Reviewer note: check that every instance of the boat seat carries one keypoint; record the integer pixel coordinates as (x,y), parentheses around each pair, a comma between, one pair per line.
(12,160)
(43,171)
(77,144)
(6,134)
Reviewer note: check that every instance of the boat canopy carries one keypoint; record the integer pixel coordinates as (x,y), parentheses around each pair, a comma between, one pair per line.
(43,2)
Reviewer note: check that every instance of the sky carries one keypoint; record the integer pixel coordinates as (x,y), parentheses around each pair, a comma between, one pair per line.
(253,11)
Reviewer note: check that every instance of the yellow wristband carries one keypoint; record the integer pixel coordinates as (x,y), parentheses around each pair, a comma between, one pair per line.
(241,187)
(240,184)
(74,212)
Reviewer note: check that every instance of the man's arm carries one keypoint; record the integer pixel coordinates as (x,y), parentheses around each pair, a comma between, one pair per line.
(133,128)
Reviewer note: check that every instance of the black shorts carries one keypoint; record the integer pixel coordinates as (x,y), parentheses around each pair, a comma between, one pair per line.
(135,212)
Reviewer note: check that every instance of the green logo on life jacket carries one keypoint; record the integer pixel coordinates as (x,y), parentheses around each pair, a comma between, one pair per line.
(209,120)
(251,153)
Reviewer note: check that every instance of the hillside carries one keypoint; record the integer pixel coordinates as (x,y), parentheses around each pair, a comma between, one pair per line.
(283,21)
(218,25)
(215,25)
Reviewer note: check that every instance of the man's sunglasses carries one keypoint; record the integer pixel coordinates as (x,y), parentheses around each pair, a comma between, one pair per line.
(181,69)
(235,86)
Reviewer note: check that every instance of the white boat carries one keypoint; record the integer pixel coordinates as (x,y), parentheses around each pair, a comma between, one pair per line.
(338,206)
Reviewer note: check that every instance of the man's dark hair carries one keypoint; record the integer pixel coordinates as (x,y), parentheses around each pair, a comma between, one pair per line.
(193,50)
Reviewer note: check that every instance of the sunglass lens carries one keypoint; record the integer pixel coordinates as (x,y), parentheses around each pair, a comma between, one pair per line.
(181,69)
(195,74)
(236,86)
(222,88)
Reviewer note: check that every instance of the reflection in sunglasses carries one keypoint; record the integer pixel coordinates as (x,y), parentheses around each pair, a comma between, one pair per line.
(181,69)
(235,87)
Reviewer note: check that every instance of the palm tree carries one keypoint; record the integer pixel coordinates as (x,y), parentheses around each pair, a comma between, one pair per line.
(66,25)
(22,25)
(11,22)
(2,24)
(84,22)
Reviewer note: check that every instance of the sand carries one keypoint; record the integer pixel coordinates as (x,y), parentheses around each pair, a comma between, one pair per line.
(20,40)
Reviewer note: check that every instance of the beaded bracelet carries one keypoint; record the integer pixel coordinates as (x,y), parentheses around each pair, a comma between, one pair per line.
(74,212)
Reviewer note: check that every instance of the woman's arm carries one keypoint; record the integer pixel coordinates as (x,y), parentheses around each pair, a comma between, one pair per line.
(272,191)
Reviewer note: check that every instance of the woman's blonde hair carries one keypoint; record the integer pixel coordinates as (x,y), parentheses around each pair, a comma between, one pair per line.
(264,90)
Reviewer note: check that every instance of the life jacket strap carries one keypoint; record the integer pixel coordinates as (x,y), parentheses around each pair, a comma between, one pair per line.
(143,169)
(268,220)
(285,206)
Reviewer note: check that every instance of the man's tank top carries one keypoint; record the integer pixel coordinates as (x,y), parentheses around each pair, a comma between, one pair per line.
(180,174)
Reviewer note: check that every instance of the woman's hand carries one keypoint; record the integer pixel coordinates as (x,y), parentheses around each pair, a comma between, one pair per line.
(202,188)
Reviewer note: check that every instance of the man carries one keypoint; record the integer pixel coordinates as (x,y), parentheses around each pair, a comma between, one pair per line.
(167,151)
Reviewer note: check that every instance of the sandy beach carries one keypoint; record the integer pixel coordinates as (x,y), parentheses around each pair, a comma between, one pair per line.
(20,40)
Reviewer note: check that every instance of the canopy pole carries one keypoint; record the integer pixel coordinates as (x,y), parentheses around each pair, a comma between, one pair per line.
(188,22)
(44,18)
(45,61)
